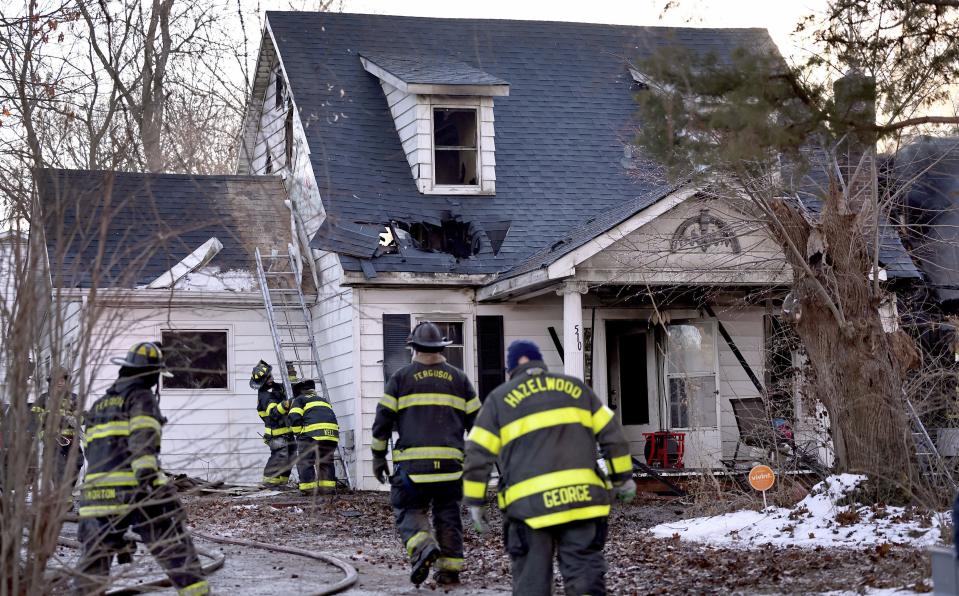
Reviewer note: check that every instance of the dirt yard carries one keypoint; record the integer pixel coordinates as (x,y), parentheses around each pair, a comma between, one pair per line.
(359,527)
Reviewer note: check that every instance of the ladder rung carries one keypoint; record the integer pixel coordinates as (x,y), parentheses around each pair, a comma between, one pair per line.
(281,256)
(292,326)
(283,291)
(293,344)
(310,362)
(277,273)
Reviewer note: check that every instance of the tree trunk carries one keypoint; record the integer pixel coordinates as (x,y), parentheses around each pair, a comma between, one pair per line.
(858,369)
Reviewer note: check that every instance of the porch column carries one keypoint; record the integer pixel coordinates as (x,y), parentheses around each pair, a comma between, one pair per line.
(572,293)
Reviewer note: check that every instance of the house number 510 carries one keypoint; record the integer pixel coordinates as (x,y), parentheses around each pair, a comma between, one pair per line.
(579,342)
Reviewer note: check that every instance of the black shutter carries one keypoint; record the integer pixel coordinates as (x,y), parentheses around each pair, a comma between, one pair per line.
(489,339)
(396,328)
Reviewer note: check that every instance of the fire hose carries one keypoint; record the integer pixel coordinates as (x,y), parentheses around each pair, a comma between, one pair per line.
(219,559)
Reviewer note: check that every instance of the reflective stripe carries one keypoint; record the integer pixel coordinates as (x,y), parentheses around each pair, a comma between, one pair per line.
(100,479)
(389,402)
(378,444)
(307,485)
(449,564)
(144,422)
(485,439)
(432,399)
(427,453)
(540,420)
(281,409)
(296,410)
(621,464)
(473,405)
(296,429)
(562,517)
(118,428)
(416,540)
(144,462)
(320,426)
(200,588)
(326,483)
(335,439)
(262,413)
(276,479)
(160,480)
(101,510)
(271,407)
(544,482)
(474,489)
(424,478)
(317,404)
(601,418)
(278,431)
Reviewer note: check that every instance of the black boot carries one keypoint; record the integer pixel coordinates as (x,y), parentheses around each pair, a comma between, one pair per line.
(446,578)
(422,564)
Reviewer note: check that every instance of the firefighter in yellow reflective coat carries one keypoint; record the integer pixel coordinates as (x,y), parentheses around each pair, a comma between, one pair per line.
(317,435)
(124,487)
(431,404)
(542,428)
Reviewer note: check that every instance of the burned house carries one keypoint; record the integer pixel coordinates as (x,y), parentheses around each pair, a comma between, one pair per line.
(479,174)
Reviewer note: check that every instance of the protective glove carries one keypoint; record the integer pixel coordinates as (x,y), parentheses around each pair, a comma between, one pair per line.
(381,469)
(478,515)
(625,492)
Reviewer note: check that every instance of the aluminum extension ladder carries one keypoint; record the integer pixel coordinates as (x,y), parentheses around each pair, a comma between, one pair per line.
(291,325)
(927,455)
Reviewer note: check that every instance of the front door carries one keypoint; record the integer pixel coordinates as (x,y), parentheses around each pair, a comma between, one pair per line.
(632,380)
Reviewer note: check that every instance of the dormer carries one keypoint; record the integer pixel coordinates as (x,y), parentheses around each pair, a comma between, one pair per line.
(443,112)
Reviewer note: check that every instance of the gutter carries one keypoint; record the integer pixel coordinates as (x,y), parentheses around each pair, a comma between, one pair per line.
(158,299)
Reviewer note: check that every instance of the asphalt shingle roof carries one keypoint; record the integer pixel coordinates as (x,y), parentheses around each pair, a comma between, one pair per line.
(432,70)
(560,134)
(126,229)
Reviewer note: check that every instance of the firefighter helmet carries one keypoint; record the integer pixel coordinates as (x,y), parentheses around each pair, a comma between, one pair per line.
(57,373)
(303,386)
(142,356)
(261,374)
(427,337)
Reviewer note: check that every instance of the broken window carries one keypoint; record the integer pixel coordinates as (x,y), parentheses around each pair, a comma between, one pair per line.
(288,136)
(780,345)
(455,147)
(197,359)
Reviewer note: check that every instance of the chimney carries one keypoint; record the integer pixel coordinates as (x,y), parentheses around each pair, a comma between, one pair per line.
(854,121)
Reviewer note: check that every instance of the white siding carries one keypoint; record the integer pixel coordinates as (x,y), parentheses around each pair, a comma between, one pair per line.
(412,115)
(333,316)
(211,434)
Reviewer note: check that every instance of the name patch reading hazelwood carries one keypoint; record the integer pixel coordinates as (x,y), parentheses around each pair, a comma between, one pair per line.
(538,384)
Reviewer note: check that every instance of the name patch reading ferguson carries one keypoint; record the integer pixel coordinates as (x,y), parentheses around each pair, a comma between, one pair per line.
(538,384)
(429,372)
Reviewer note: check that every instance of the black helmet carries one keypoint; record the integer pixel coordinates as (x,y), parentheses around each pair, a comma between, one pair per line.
(303,386)
(145,354)
(427,337)
(261,373)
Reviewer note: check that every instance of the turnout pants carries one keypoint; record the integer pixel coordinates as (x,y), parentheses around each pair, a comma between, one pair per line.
(579,546)
(160,524)
(411,506)
(315,465)
(282,458)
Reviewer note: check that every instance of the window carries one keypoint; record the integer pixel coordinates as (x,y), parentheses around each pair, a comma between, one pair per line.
(490,353)
(691,375)
(455,155)
(278,94)
(197,359)
(396,355)
(455,353)
(288,137)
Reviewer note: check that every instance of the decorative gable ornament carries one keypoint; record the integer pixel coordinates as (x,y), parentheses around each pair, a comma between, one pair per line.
(703,231)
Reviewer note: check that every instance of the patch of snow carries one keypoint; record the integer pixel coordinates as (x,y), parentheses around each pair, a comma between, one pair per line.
(211,279)
(811,523)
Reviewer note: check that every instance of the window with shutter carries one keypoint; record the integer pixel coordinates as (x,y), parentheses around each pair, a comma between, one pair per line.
(490,350)
(396,328)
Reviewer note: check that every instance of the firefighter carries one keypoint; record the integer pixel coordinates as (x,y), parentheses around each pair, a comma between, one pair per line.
(542,429)
(317,435)
(273,408)
(67,465)
(430,403)
(124,487)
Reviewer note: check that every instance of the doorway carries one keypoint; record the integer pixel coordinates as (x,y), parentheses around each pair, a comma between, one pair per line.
(633,379)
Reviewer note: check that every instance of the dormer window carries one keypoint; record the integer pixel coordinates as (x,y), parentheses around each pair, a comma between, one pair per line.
(443,112)
(455,147)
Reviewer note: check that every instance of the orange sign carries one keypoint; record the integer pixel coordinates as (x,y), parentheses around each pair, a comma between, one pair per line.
(762,478)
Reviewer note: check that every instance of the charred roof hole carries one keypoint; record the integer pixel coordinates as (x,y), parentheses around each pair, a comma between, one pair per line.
(460,239)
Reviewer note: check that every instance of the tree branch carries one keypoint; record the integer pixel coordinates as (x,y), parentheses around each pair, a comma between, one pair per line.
(886,128)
